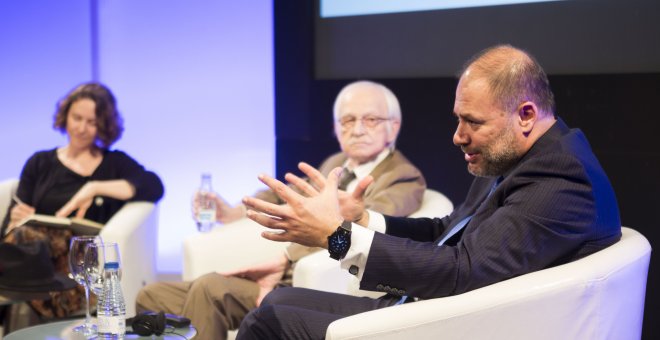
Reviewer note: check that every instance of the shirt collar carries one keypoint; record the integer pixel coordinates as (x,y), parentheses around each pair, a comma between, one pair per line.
(363,170)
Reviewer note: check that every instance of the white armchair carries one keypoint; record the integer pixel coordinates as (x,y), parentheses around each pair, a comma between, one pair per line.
(598,297)
(134,228)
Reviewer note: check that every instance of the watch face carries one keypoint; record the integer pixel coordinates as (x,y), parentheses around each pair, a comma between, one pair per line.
(339,243)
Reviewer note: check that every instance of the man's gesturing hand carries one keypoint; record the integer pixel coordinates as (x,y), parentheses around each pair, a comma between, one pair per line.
(304,220)
(351,205)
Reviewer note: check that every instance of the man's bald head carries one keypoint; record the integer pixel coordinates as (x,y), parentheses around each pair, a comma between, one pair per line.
(513,77)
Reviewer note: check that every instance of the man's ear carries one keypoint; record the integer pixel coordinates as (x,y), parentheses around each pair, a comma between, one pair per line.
(393,130)
(527,116)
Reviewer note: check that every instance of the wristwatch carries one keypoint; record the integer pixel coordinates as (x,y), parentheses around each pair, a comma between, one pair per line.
(340,241)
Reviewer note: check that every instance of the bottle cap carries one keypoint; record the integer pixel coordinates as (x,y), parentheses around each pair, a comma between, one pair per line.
(111,265)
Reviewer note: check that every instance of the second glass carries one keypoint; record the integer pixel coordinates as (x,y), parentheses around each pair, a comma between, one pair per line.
(77,251)
(96,256)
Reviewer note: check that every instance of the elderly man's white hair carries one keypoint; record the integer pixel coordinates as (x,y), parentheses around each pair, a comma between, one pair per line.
(393,108)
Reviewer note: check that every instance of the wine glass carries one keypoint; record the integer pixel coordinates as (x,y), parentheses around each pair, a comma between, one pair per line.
(77,249)
(96,256)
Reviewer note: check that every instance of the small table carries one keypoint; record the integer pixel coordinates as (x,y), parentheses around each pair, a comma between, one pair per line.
(8,298)
(63,330)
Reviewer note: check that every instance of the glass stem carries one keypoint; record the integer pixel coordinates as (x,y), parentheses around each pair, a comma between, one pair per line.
(88,318)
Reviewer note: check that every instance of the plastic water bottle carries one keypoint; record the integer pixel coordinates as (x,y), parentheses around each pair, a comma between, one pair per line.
(206,212)
(111,308)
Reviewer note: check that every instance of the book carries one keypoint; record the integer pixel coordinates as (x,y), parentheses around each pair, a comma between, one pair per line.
(79,226)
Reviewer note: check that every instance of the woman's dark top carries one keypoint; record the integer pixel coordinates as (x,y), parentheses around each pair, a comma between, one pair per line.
(46,184)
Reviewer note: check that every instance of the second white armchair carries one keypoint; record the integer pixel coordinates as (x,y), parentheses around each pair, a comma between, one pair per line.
(134,227)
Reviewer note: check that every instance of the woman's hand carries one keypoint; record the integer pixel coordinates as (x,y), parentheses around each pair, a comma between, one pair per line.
(119,189)
(81,201)
(19,212)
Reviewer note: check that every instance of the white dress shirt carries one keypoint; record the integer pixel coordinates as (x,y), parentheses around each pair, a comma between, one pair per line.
(363,170)
(361,239)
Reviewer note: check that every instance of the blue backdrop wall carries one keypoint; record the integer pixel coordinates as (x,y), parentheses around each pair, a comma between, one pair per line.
(193,80)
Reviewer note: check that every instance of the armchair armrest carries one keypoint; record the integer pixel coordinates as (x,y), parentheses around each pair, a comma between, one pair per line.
(227,247)
(318,271)
(135,229)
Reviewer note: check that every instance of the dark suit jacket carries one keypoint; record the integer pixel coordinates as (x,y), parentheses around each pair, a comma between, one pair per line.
(556,205)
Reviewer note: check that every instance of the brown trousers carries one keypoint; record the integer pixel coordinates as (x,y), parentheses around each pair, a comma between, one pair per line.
(214,303)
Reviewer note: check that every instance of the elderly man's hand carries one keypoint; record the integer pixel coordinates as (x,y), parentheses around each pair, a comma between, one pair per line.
(224,212)
(351,205)
(266,275)
(304,220)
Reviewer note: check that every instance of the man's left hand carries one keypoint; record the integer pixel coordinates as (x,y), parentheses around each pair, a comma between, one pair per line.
(304,220)
(351,205)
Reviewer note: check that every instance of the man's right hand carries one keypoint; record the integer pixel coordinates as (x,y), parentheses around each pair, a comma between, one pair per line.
(224,212)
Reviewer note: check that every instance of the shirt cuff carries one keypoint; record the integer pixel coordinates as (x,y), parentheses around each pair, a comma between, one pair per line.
(356,257)
(376,222)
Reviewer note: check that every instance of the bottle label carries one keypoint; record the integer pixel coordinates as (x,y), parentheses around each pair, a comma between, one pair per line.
(111,324)
(206,215)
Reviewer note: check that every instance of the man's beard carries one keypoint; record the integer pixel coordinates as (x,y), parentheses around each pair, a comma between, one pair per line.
(498,157)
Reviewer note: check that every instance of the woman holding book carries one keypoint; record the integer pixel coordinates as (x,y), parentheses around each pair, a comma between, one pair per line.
(83,179)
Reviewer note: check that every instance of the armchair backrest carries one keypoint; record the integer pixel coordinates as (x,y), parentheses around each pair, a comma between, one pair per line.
(434,204)
(7,189)
(600,296)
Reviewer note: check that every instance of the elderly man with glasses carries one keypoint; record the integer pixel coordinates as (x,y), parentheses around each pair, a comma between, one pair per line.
(376,177)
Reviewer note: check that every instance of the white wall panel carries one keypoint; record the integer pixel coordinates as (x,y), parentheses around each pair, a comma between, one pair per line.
(194,81)
(44,53)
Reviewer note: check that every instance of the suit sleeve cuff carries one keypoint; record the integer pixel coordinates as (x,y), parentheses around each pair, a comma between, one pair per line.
(356,257)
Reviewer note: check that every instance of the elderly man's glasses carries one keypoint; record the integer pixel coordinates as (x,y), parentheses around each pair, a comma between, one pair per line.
(348,122)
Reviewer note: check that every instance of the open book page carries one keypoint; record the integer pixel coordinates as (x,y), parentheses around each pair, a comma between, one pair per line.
(79,226)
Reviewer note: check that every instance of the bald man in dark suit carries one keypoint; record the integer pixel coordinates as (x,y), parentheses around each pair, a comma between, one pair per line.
(540,198)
